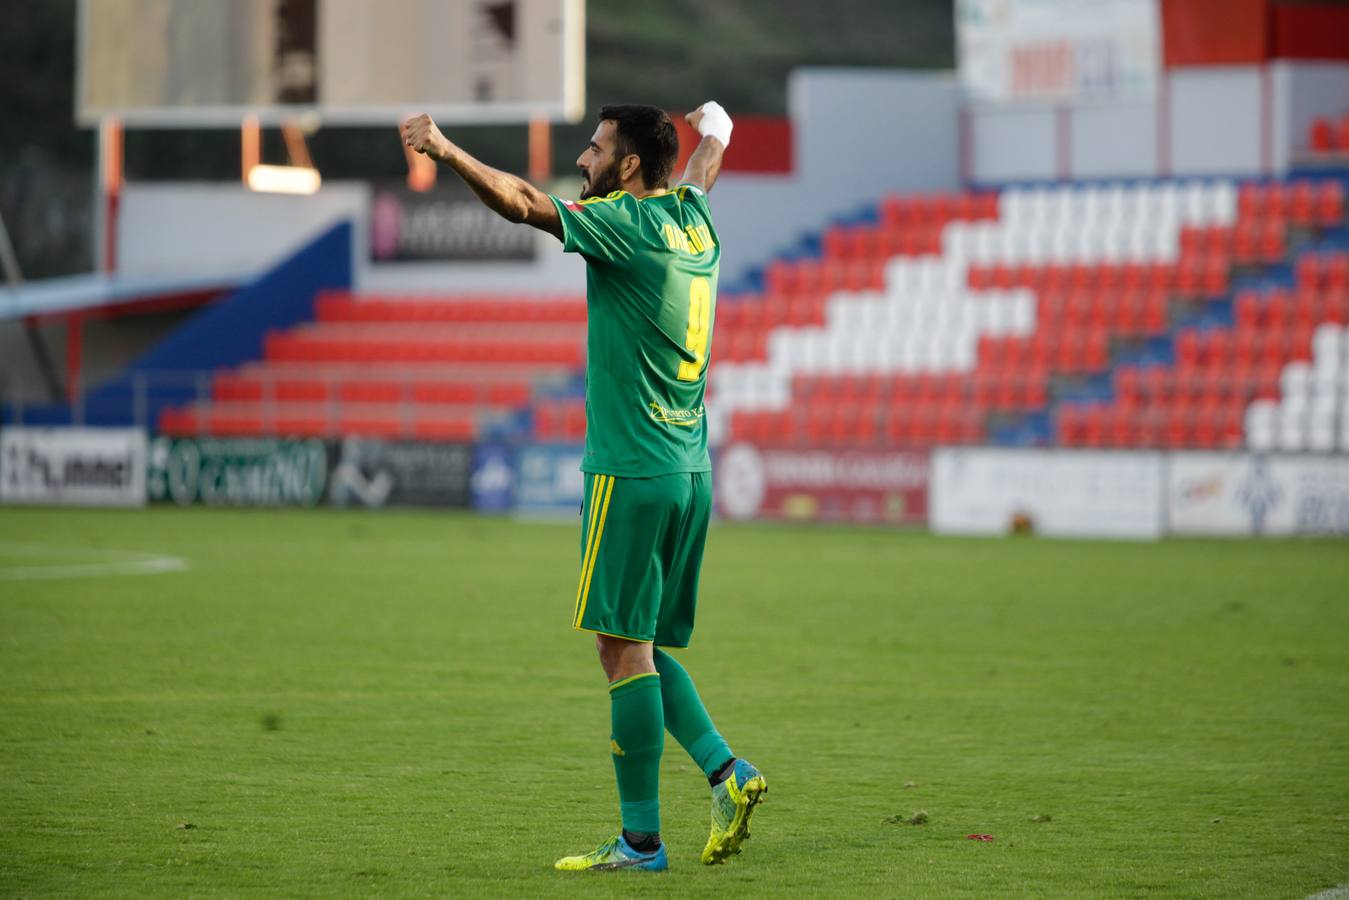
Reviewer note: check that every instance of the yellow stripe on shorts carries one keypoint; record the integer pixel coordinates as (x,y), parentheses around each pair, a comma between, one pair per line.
(594,551)
(596,485)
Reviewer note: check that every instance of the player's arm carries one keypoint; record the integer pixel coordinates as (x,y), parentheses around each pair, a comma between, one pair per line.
(712,122)
(509,196)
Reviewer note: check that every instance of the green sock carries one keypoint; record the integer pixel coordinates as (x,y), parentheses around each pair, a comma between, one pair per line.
(637,740)
(687,718)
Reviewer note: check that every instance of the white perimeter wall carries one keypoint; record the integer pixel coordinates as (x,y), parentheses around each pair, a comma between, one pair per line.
(205,230)
(1012,143)
(1137,494)
(1216,120)
(1304,91)
(1107,140)
(1206,120)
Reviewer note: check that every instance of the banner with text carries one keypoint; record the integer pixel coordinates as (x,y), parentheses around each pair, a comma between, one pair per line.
(73,466)
(238,471)
(548,479)
(1062,493)
(1047,50)
(372,472)
(445,223)
(868,487)
(1248,494)
(493,480)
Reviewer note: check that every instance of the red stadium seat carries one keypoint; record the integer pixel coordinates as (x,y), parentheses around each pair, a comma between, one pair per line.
(1276,201)
(1336,271)
(1069,426)
(1308,270)
(1178,422)
(1302,203)
(1330,198)
(1096,419)
(1160,277)
(1128,385)
(1273,243)
(1321,135)
(1245,243)
(444,429)
(1121,430)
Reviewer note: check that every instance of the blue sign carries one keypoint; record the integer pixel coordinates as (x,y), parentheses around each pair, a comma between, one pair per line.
(493,480)
(548,478)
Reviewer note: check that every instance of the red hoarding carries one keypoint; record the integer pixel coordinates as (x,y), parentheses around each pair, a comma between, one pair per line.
(760,144)
(1214,32)
(876,487)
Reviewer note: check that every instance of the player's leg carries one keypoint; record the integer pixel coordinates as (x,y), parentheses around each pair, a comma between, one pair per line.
(686,717)
(618,597)
(687,720)
(737,786)
(637,737)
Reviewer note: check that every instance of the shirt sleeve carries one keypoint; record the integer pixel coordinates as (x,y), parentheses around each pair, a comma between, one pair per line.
(602,229)
(697,197)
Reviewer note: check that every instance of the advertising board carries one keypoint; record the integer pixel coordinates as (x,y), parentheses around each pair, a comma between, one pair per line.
(445,223)
(237,471)
(869,487)
(73,466)
(548,479)
(375,473)
(493,480)
(1252,494)
(1038,50)
(1061,493)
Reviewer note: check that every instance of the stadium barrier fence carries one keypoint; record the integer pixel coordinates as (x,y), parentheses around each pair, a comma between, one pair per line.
(1058,492)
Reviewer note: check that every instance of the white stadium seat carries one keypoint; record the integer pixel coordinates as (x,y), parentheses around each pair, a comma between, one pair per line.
(1011,204)
(1292,429)
(1293,383)
(1224,202)
(1328,344)
(1321,436)
(1260,422)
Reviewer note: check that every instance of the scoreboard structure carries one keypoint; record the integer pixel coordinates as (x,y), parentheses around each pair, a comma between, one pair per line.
(213,63)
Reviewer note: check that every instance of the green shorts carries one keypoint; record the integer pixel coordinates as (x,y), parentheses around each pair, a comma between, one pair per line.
(641,550)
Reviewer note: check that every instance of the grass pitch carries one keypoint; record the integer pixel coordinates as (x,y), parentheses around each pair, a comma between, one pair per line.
(329,704)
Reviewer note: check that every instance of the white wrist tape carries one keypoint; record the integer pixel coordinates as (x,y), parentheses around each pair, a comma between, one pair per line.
(715,122)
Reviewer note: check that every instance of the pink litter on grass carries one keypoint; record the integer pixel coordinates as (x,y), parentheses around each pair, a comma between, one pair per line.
(979,837)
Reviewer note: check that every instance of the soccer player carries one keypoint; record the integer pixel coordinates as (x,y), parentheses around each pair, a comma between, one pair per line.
(651,280)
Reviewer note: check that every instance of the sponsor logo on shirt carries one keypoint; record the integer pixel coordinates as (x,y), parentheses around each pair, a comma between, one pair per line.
(684,417)
(693,239)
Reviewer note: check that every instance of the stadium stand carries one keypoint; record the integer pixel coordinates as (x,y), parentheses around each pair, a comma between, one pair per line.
(1327,138)
(1079,315)
(1028,306)
(395,367)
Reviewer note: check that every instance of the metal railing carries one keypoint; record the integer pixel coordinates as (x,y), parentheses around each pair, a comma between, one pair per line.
(328,400)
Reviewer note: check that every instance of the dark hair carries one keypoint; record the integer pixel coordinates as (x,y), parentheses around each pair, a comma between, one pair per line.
(647,132)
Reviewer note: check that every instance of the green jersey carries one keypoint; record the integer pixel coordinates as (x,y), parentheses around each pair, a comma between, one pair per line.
(651,287)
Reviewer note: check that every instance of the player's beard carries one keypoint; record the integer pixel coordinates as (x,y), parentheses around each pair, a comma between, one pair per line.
(601,183)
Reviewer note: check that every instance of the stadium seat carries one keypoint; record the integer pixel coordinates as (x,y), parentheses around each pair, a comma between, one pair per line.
(1321,136)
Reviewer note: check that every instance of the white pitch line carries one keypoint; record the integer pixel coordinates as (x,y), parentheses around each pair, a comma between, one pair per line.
(112,562)
(1338,892)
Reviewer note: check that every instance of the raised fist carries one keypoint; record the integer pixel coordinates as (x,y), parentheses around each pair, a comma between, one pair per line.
(421,134)
(711,119)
